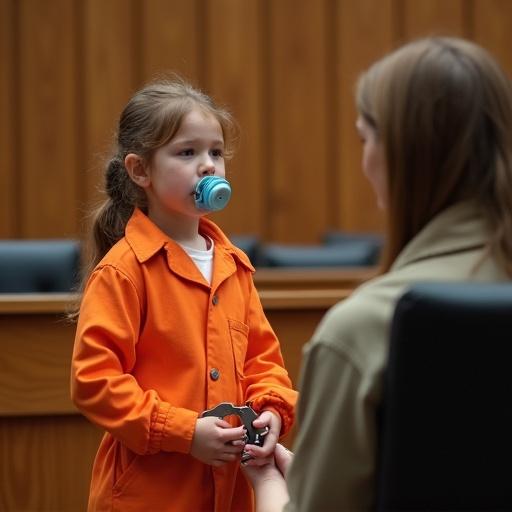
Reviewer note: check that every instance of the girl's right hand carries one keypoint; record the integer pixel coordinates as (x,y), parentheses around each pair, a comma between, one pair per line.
(216,442)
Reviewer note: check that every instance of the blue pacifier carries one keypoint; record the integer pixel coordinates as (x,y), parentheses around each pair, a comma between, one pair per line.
(212,193)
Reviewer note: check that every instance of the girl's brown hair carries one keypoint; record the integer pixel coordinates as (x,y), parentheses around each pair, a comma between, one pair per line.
(442,108)
(150,119)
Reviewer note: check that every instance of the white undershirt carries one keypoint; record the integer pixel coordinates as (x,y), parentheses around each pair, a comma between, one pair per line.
(203,259)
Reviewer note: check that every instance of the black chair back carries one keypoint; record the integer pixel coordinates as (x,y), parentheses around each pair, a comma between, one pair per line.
(445,438)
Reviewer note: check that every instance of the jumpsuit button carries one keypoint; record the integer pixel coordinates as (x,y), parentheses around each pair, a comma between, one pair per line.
(214,374)
(215,300)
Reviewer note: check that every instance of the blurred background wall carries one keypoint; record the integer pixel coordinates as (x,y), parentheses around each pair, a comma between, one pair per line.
(285,68)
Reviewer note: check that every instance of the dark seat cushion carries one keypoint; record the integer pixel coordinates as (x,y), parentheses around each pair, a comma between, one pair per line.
(370,243)
(36,266)
(348,255)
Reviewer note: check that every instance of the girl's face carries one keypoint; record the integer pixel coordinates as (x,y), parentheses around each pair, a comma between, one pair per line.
(195,151)
(374,160)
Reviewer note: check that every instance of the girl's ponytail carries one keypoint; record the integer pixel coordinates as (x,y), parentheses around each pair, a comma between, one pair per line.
(110,218)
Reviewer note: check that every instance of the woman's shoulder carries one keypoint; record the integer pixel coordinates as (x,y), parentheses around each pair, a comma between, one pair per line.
(369,305)
(358,327)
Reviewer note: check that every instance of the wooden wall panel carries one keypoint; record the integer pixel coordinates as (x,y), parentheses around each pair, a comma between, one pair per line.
(34,370)
(235,38)
(9,129)
(172,34)
(46,463)
(285,68)
(109,75)
(492,22)
(48,118)
(357,204)
(433,17)
(297,144)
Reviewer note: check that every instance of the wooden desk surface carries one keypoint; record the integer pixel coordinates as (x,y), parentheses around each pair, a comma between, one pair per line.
(58,304)
(35,303)
(312,278)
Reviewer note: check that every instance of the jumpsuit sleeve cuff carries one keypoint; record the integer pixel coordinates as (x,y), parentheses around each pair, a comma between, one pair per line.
(275,403)
(172,429)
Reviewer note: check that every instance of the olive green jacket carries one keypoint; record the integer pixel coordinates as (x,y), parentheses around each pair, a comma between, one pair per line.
(342,372)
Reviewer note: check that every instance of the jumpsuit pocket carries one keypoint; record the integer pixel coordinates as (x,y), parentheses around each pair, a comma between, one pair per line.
(125,462)
(239,339)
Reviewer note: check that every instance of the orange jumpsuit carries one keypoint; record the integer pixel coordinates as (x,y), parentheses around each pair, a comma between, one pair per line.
(155,346)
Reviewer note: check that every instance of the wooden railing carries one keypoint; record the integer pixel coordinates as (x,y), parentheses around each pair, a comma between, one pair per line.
(46,443)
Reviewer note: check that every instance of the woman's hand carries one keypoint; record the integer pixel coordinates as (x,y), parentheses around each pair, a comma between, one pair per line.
(259,473)
(268,480)
(216,442)
(280,459)
(283,458)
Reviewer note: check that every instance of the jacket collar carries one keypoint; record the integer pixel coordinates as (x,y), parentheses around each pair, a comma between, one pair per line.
(461,227)
(146,239)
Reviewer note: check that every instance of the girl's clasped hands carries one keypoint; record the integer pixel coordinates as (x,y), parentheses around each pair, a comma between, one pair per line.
(216,442)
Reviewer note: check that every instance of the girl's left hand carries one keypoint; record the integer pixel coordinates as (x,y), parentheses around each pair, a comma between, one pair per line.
(271,420)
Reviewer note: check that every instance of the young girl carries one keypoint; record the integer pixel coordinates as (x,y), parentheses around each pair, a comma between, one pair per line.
(435,118)
(170,323)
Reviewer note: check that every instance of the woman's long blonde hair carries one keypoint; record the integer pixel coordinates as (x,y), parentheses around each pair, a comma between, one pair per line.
(442,108)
